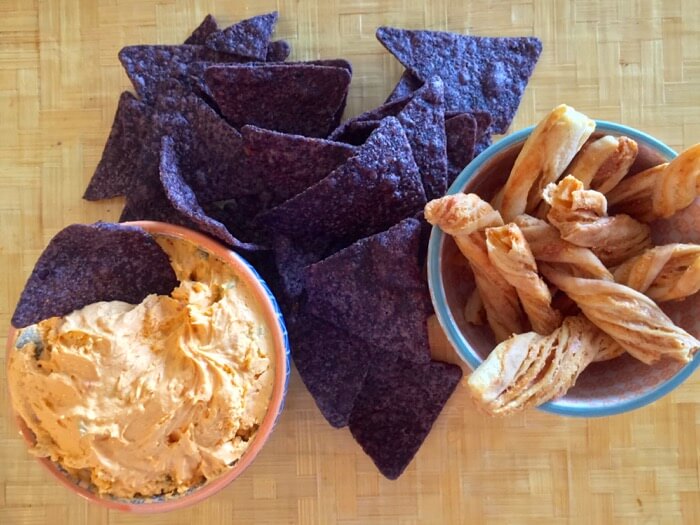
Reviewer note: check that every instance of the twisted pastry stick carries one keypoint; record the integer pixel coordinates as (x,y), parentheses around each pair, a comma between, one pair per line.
(548,246)
(630,318)
(464,217)
(661,191)
(510,254)
(546,153)
(581,218)
(633,196)
(679,185)
(664,273)
(603,163)
(529,369)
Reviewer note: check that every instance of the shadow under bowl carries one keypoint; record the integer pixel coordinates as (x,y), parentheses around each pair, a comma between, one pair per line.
(605,388)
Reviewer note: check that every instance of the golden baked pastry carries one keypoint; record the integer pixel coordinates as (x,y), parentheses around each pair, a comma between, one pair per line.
(629,317)
(530,369)
(581,217)
(547,245)
(465,217)
(603,163)
(664,273)
(510,254)
(633,195)
(661,191)
(546,153)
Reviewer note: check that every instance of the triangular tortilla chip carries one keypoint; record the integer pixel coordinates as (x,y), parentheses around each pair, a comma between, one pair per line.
(302,99)
(120,164)
(480,73)
(331,362)
(374,290)
(87,263)
(247,39)
(406,85)
(374,189)
(204,29)
(184,200)
(148,66)
(396,409)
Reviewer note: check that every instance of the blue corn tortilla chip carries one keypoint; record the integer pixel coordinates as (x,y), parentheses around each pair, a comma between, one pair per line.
(374,290)
(423,119)
(397,407)
(374,189)
(292,98)
(355,132)
(121,163)
(87,263)
(465,133)
(279,166)
(390,109)
(278,51)
(332,364)
(422,116)
(204,29)
(461,136)
(212,163)
(247,39)
(147,66)
(480,73)
(184,200)
(288,164)
(406,85)
(293,256)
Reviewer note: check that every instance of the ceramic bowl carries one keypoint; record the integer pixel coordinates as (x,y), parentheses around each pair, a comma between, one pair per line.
(274,320)
(603,389)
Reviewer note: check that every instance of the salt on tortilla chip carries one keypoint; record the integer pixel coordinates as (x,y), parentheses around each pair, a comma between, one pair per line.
(397,407)
(480,73)
(406,85)
(87,263)
(247,39)
(120,164)
(203,30)
(278,51)
(331,362)
(292,98)
(374,290)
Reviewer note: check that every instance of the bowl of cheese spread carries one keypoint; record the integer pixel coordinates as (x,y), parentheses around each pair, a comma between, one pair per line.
(154,406)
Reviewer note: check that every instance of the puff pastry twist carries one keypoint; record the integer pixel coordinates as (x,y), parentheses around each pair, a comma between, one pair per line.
(629,317)
(465,217)
(664,273)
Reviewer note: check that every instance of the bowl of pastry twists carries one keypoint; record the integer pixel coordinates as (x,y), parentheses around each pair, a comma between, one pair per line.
(564,267)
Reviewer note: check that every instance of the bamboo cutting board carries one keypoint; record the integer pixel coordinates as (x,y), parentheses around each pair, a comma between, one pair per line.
(636,62)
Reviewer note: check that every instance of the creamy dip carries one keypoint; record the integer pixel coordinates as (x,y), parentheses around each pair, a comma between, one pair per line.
(151,398)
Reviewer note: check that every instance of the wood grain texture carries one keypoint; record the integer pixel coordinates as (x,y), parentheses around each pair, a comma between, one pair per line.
(636,61)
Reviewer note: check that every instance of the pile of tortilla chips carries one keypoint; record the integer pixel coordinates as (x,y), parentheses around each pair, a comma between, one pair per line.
(225,137)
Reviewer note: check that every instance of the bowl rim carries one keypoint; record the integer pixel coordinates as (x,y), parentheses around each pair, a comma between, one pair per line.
(273,318)
(460,343)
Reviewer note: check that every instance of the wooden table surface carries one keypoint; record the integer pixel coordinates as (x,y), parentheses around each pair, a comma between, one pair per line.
(636,62)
